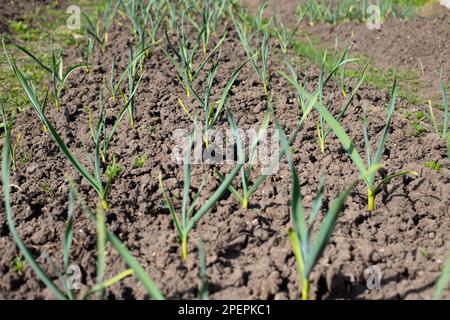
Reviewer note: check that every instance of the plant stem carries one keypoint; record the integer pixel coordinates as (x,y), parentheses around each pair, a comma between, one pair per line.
(371,201)
(305,289)
(320,137)
(245,202)
(184,247)
(105,204)
(206,140)
(448,145)
(13,158)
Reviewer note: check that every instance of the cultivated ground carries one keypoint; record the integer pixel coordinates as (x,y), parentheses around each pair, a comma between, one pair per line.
(248,252)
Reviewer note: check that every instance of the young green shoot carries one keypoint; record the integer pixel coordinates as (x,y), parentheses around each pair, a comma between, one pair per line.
(55,69)
(433,165)
(101,248)
(66,292)
(252,54)
(283,34)
(212,110)
(189,216)
(18,264)
(333,12)
(134,267)
(183,56)
(442,132)
(128,100)
(307,250)
(6,165)
(243,198)
(133,82)
(172,13)
(249,187)
(322,129)
(99,32)
(155,19)
(443,280)
(114,86)
(140,161)
(107,137)
(219,12)
(14,147)
(342,67)
(94,180)
(68,232)
(203,29)
(369,178)
(89,51)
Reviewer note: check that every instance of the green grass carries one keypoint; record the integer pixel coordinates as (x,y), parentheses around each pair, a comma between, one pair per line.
(334,12)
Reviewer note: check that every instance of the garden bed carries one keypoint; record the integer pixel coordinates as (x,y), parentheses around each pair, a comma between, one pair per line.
(248,252)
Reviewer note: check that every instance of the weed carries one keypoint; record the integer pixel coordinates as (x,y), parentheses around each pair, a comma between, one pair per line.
(46,188)
(24,158)
(140,161)
(433,165)
(18,264)
(443,280)
(418,129)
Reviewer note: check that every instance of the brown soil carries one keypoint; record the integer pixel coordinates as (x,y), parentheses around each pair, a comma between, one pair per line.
(248,253)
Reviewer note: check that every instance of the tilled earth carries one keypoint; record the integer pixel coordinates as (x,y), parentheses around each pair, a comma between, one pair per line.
(248,253)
